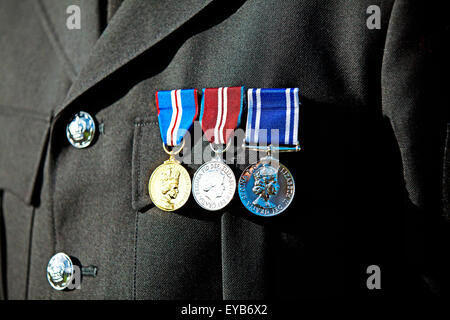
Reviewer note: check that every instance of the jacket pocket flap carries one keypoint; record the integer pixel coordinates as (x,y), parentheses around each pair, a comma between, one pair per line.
(147,155)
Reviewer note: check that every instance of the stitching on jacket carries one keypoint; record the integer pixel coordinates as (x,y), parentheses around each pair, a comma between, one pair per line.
(138,153)
(145,123)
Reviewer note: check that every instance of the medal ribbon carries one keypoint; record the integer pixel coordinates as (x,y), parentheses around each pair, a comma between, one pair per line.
(177,110)
(272,109)
(221,111)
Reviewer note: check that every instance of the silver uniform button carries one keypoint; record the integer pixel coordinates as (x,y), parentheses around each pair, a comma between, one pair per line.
(60,271)
(81,130)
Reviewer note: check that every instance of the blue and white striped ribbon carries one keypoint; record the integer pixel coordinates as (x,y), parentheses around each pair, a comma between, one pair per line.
(273,116)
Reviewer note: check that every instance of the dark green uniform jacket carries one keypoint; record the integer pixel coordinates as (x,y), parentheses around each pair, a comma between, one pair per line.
(370,178)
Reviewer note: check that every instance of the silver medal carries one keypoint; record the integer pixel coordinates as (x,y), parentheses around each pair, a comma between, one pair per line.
(266,189)
(213,185)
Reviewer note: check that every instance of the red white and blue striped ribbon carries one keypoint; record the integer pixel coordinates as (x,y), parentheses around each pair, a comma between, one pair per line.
(177,111)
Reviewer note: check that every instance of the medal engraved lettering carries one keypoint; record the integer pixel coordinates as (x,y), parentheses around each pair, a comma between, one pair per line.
(214,185)
(266,190)
(169,186)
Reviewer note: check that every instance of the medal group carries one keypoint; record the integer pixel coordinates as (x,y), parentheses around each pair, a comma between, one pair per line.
(265,188)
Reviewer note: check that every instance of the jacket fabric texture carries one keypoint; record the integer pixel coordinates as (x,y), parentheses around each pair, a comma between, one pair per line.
(371,178)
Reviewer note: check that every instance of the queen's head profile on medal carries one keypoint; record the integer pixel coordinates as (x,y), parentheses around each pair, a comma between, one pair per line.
(212,185)
(266,185)
(169,185)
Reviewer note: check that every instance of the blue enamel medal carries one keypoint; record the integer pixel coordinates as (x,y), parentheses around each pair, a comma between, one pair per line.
(267,187)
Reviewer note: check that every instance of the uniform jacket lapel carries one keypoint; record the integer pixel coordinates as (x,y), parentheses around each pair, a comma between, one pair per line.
(72,46)
(136,27)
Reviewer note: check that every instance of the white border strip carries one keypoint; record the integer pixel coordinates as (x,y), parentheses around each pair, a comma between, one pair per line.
(180,114)
(224,115)
(258,114)
(288,116)
(172,120)
(296,111)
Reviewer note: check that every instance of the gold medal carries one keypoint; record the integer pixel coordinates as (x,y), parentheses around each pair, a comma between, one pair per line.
(170,184)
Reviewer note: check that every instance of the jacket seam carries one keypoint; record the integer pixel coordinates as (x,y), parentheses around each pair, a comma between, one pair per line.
(9,111)
(30,244)
(136,228)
